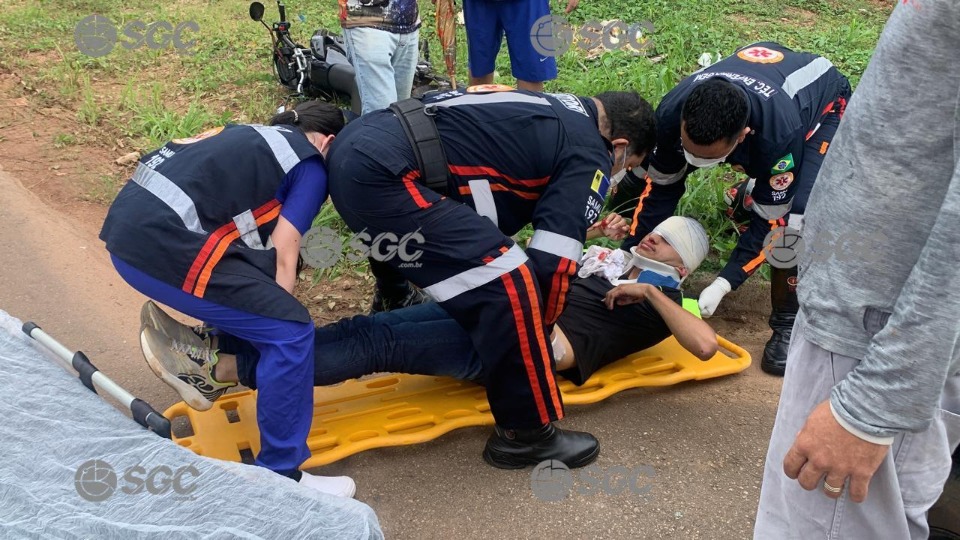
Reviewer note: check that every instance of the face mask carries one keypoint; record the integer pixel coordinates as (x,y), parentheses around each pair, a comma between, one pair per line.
(615,179)
(702,163)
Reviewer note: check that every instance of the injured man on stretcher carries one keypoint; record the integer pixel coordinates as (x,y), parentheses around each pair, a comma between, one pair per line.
(603,321)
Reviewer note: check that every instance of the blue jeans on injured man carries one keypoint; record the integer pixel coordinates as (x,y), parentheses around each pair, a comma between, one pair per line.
(421,340)
(384,63)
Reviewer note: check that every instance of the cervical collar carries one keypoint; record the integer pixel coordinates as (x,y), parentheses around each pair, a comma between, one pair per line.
(656,273)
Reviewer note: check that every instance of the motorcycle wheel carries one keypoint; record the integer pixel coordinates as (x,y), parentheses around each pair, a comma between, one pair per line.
(284,73)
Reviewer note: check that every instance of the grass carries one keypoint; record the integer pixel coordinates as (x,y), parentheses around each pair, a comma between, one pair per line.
(144,96)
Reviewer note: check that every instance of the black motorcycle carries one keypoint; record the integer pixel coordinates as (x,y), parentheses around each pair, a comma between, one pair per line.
(323,70)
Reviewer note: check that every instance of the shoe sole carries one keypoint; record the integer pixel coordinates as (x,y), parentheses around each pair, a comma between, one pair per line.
(190,395)
(773,370)
(152,316)
(502,461)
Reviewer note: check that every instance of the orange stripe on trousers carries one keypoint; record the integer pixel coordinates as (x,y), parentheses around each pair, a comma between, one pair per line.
(412,189)
(525,347)
(542,340)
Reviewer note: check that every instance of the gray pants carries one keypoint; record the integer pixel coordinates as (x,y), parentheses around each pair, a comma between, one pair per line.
(907,484)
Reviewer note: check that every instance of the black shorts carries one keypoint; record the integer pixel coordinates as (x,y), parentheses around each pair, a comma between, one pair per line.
(600,336)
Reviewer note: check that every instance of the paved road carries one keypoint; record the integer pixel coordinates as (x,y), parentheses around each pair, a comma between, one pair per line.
(699,447)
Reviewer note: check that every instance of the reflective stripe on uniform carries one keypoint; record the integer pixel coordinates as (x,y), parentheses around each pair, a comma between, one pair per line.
(556,244)
(496,97)
(216,245)
(665,179)
(247,227)
(805,76)
(171,194)
(477,277)
(771,211)
(483,199)
(280,147)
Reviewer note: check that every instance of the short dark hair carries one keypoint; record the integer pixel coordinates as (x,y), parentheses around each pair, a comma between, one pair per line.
(631,118)
(319,116)
(715,110)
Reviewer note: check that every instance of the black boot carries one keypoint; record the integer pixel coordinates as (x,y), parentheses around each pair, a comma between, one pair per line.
(783,300)
(518,448)
(392,291)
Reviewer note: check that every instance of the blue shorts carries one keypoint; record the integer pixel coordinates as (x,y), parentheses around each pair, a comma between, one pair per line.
(488,20)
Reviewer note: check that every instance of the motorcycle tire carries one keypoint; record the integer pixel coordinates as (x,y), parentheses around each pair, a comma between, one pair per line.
(285,74)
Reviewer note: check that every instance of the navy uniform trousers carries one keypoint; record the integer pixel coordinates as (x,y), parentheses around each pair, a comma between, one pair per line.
(474,271)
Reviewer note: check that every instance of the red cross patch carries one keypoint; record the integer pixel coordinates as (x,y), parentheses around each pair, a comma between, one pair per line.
(760,55)
(781,182)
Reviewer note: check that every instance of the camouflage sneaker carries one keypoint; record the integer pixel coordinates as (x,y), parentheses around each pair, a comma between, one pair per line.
(152,316)
(185,367)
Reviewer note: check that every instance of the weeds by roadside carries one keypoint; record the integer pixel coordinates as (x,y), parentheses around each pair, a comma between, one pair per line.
(138,97)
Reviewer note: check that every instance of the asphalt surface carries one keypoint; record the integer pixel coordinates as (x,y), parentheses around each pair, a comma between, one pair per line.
(676,462)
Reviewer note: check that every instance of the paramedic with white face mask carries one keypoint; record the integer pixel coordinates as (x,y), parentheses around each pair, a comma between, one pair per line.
(771,113)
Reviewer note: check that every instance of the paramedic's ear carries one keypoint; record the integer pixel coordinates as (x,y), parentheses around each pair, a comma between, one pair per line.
(620,144)
(323,142)
(682,270)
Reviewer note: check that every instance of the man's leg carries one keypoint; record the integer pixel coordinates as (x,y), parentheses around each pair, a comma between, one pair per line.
(419,340)
(529,67)
(783,281)
(405,60)
(369,51)
(284,374)
(484,36)
(904,487)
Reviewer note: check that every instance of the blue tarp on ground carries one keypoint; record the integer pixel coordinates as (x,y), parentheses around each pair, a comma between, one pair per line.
(51,427)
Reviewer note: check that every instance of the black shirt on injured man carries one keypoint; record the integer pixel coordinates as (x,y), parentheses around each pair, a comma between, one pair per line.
(600,336)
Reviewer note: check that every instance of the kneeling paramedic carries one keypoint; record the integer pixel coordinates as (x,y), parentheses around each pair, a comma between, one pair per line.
(466,171)
(211,227)
(771,113)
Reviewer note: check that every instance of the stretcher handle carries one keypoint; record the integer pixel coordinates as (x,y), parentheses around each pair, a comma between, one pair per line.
(95,380)
(736,352)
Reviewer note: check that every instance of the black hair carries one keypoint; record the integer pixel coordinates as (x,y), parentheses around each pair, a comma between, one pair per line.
(631,118)
(319,116)
(715,110)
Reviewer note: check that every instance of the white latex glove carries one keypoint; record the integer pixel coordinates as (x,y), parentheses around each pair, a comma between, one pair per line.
(711,296)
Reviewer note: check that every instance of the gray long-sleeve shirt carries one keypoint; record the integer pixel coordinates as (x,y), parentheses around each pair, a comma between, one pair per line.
(880,278)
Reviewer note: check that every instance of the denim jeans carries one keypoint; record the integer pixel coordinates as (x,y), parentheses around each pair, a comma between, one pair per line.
(384,63)
(420,340)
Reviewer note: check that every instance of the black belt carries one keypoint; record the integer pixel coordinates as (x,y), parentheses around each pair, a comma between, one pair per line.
(422,132)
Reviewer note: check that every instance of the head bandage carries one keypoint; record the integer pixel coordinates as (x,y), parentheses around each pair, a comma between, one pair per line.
(686,236)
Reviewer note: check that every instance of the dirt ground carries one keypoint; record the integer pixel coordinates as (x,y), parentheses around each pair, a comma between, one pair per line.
(705,442)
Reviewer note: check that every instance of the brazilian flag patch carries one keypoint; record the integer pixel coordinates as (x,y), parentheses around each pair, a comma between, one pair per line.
(784,164)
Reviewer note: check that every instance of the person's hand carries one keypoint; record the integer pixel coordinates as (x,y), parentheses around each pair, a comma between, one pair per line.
(572,5)
(825,454)
(626,294)
(614,227)
(711,296)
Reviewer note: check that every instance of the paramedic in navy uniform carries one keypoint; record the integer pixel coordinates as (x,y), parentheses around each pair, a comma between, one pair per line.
(211,227)
(509,158)
(771,113)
